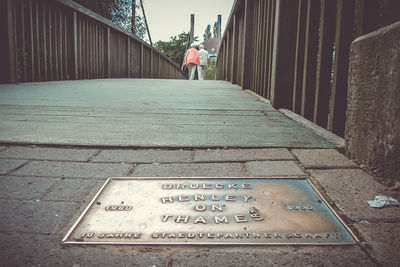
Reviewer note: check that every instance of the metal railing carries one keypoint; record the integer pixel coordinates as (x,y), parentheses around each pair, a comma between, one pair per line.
(60,40)
(296,52)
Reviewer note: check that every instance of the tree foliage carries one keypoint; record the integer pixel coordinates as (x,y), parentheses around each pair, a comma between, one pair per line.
(119,12)
(207,33)
(175,48)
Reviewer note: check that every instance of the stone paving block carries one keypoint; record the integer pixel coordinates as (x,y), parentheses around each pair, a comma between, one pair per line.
(144,156)
(350,189)
(24,249)
(242,155)
(47,153)
(383,237)
(34,216)
(7,165)
(273,168)
(26,188)
(273,256)
(2,148)
(74,169)
(192,169)
(75,190)
(323,158)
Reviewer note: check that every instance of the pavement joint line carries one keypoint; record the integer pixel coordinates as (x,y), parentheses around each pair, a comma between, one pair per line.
(144,147)
(192,162)
(94,155)
(132,170)
(56,160)
(245,169)
(41,200)
(338,167)
(15,169)
(56,177)
(367,250)
(51,188)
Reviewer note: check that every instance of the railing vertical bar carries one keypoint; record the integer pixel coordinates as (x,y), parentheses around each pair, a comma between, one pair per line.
(50,26)
(265,48)
(108,52)
(83,54)
(233,50)
(257,48)
(37,39)
(24,68)
(324,66)
(11,41)
(159,66)
(284,53)
(128,57)
(270,45)
(56,45)
(62,45)
(299,58)
(74,63)
(99,52)
(81,49)
(310,59)
(152,63)
(44,42)
(247,43)
(265,40)
(141,61)
(87,53)
(32,42)
(254,46)
(343,38)
(260,48)
(92,49)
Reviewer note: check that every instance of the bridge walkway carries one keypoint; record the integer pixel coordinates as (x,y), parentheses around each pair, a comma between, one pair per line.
(61,140)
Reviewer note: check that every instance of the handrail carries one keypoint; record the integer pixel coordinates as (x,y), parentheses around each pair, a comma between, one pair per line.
(296,52)
(59,40)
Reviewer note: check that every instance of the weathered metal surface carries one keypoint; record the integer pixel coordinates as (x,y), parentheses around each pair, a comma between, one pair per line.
(229,211)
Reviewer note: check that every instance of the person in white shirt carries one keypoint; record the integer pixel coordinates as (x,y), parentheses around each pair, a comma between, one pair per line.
(202,68)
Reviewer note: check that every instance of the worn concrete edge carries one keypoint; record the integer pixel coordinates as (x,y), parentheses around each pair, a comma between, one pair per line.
(144,146)
(259,98)
(336,140)
(377,33)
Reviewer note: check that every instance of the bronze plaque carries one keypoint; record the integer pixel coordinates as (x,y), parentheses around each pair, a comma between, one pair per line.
(242,211)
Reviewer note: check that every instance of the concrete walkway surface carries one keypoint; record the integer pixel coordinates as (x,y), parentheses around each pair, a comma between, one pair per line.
(44,187)
(144,113)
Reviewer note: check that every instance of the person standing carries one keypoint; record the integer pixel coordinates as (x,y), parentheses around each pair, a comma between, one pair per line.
(192,59)
(202,68)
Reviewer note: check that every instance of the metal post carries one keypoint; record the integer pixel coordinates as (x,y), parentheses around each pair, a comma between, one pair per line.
(11,45)
(133,19)
(219,30)
(145,21)
(191,40)
(75,46)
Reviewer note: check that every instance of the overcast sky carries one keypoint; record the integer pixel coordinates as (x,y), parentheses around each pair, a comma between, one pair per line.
(168,18)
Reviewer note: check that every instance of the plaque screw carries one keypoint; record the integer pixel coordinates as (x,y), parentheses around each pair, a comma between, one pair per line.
(98,203)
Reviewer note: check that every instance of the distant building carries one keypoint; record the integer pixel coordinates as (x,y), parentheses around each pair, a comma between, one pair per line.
(211,45)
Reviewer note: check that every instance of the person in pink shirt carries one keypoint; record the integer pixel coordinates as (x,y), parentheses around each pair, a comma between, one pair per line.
(192,59)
